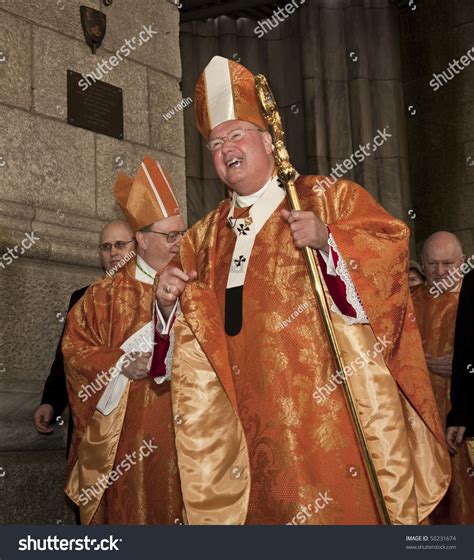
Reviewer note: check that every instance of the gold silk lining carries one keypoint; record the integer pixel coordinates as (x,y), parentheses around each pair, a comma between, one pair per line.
(431,465)
(470,450)
(406,455)
(96,456)
(212,452)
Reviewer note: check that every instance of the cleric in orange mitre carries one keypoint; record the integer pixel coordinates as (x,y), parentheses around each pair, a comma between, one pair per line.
(122,465)
(263,431)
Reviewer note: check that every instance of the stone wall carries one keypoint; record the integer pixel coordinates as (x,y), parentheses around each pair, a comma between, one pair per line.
(440,124)
(56,181)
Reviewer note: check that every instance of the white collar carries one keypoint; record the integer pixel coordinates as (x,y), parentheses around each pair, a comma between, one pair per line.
(140,274)
(246,229)
(250,199)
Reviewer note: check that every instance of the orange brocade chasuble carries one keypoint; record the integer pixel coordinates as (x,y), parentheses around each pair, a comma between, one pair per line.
(254,445)
(147,491)
(436,317)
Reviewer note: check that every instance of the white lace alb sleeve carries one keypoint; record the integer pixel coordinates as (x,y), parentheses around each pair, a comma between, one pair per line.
(351,292)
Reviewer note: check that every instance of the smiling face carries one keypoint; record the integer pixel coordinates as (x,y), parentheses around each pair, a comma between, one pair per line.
(154,248)
(442,255)
(244,166)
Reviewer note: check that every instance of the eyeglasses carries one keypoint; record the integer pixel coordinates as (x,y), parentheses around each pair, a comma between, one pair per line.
(117,245)
(171,236)
(233,137)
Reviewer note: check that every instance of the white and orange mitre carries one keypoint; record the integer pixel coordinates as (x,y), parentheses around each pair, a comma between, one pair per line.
(148,197)
(225,91)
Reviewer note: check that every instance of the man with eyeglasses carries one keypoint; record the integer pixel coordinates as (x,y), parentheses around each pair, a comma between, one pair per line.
(117,246)
(122,465)
(262,425)
(115,243)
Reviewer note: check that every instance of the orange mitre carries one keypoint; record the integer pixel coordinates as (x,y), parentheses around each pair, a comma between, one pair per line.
(148,197)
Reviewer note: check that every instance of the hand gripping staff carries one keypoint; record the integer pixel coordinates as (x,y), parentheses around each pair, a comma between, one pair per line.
(287,174)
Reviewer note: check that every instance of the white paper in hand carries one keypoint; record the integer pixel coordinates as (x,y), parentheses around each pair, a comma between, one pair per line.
(140,341)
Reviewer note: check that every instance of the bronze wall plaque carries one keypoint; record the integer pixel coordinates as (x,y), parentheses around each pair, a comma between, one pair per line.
(99,107)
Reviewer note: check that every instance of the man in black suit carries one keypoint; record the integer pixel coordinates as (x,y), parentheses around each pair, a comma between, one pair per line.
(116,242)
(460,421)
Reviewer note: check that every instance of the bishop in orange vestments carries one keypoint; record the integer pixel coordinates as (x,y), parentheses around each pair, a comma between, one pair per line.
(436,304)
(122,465)
(263,432)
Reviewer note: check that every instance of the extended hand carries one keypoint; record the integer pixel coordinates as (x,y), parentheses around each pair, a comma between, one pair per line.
(440,366)
(307,229)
